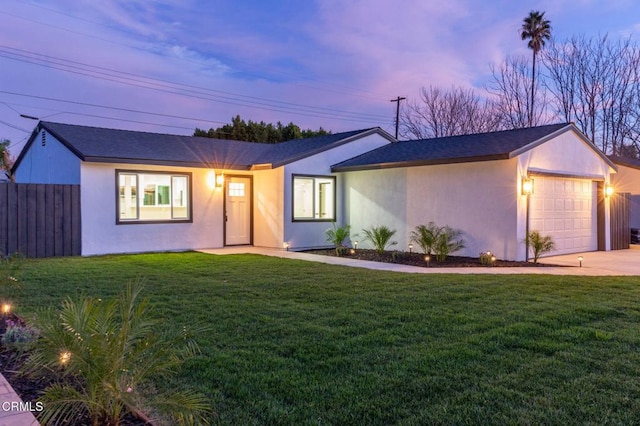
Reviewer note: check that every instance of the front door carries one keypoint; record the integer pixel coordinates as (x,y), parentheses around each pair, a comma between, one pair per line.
(237,210)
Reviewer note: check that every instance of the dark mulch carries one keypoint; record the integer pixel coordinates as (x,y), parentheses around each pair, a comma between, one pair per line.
(418,259)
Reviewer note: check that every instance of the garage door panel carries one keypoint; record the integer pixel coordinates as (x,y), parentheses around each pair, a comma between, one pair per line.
(565,208)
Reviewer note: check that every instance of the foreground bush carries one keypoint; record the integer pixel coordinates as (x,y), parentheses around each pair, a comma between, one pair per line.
(104,352)
(440,240)
(337,235)
(539,244)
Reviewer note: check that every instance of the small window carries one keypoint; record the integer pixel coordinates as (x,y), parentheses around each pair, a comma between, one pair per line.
(153,197)
(314,198)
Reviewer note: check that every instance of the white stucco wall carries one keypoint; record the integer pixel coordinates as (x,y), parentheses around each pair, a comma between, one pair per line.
(101,235)
(51,163)
(566,154)
(477,198)
(302,235)
(268,201)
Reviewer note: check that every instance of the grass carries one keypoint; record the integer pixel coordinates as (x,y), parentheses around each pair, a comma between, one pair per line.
(293,342)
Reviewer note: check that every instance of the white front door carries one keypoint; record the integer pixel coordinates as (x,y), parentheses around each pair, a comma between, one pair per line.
(237,210)
(565,208)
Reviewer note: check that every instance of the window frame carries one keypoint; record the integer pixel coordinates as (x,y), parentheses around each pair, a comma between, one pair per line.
(171,175)
(334,182)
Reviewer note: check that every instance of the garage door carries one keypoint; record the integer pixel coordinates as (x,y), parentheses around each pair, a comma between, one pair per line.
(565,209)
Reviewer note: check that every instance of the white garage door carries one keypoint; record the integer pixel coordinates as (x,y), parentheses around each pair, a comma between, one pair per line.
(565,209)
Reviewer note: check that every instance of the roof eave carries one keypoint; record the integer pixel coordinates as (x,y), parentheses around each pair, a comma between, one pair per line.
(415,163)
(375,130)
(173,163)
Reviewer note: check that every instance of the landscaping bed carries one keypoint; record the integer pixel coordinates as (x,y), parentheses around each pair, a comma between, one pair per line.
(418,259)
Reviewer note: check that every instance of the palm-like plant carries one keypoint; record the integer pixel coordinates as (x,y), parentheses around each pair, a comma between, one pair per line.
(539,244)
(337,235)
(104,353)
(536,29)
(449,241)
(380,237)
(426,236)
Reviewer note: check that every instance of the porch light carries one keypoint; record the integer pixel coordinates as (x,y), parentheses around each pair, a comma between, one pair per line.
(580,259)
(527,186)
(211,179)
(608,190)
(219,180)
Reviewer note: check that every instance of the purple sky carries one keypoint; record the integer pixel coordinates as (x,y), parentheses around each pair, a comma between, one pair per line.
(197,63)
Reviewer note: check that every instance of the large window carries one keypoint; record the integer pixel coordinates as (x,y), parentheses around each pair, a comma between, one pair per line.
(314,197)
(153,196)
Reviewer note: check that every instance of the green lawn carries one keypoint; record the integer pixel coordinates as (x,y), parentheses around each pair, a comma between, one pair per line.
(295,343)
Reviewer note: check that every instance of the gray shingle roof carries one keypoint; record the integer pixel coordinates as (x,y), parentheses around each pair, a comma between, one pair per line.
(96,144)
(456,149)
(626,161)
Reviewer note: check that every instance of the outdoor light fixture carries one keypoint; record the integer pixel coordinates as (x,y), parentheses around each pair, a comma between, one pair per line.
(410,248)
(427,259)
(65,357)
(286,246)
(219,180)
(355,243)
(580,259)
(353,251)
(211,179)
(527,186)
(6,308)
(608,190)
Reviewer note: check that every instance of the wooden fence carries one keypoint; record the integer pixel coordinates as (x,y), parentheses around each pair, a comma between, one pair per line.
(620,227)
(40,220)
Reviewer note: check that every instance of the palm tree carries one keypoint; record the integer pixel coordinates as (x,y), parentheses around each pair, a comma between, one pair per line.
(536,29)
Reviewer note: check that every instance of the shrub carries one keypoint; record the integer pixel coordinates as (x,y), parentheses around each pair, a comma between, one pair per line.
(380,237)
(337,235)
(104,353)
(539,244)
(19,337)
(10,268)
(449,241)
(425,236)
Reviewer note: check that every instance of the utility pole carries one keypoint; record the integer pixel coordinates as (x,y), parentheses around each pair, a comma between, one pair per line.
(398,99)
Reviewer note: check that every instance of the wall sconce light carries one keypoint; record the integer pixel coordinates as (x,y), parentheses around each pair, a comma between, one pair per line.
(527,186)
(211,179)
(219,180)
(608,190)
(286,246)
(580,259)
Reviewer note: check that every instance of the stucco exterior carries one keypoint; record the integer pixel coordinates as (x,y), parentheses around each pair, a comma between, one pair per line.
(476,198)
(101,234)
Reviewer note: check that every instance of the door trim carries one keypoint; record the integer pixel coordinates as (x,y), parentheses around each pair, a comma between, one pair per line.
(224,209)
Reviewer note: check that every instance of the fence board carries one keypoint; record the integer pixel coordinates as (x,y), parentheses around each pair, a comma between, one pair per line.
(620,225)
(40,220)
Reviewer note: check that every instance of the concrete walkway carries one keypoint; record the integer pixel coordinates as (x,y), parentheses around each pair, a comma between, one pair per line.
(598,263)
(13,412)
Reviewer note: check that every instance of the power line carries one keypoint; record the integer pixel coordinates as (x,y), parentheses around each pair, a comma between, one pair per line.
(353,91)
(171,88)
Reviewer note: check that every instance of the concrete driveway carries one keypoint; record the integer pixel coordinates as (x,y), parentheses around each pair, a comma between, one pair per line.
(616,262)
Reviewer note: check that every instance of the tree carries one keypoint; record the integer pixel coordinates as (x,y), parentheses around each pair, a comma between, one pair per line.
(5,158)
(440,113)
(253,131)
(536,29)
(593,83)
(510,86)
